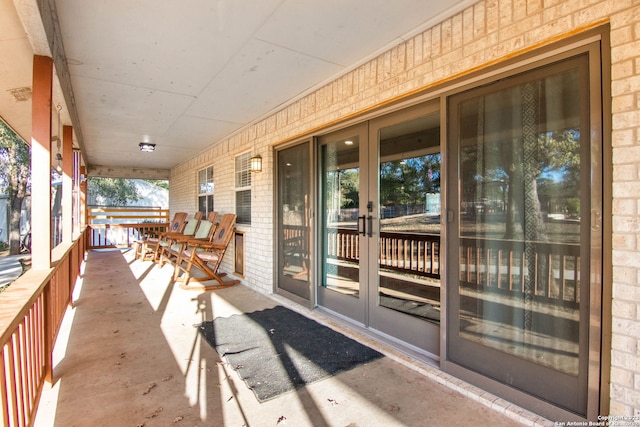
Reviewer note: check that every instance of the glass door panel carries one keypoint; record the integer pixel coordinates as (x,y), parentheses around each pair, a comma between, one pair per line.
(293,220)
(404,267)
(409,212)
(340,234)
(520,268)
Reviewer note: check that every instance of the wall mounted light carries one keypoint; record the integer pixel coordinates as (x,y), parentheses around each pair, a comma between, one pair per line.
(147,147)
(256,163)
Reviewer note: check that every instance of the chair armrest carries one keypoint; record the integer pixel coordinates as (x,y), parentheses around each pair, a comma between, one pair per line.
(163,234)
(175,236)
(200,243)
(195,241)
(204,244)
(181,238)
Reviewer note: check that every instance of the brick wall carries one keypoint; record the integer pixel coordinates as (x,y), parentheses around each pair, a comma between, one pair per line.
(625,140)
(483,34)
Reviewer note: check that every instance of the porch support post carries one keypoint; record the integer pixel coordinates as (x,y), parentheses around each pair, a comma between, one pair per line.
(41,162)
(67,184)
(83,198)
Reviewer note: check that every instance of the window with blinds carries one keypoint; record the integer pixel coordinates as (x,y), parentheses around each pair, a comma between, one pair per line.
(205,190)
(243,188)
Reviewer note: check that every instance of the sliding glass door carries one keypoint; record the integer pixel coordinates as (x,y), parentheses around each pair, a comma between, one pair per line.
(294,220)
(525,226)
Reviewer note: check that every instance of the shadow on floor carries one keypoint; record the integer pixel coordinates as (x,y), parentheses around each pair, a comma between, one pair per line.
(129,354)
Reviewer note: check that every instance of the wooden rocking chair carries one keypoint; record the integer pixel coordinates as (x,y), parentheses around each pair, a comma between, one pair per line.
(173,249)
(141,246)
(206,257)
(166,237)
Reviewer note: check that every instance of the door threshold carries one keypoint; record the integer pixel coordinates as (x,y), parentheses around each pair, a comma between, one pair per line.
(383,338)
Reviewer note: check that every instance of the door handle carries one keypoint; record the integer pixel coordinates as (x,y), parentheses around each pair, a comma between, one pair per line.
(362,230)
(370,221)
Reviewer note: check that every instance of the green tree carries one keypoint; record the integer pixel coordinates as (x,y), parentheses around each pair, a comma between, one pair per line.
(112,191)
(162,183)
(406,182)
(15,171)
(516,140)
(349,188)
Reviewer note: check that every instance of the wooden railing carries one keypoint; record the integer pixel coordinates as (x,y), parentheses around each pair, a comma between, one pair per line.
(343,244)
(413,253)
(31,311)
(120,227)
(553,269)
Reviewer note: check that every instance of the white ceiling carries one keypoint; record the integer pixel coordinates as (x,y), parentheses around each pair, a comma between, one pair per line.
(185,74)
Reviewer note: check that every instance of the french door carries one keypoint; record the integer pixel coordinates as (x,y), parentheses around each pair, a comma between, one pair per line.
(525,227)
(379,228)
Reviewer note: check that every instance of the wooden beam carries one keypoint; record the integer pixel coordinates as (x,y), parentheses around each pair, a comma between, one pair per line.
(41,162)
(67,184)
(82,215)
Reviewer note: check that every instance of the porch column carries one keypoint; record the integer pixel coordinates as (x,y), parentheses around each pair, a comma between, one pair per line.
(41,162)
(67,184)
(82,214)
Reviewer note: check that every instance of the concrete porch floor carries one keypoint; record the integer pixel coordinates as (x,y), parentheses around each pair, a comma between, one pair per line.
(129,354)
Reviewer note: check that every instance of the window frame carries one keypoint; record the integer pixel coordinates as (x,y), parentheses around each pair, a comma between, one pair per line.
(208,195)
(242,187)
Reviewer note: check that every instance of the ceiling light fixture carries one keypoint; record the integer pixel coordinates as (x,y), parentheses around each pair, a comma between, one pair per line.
(147,147)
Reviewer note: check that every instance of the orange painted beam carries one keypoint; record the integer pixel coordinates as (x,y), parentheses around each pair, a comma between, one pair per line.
(41,162)
(83,197)
(67,184)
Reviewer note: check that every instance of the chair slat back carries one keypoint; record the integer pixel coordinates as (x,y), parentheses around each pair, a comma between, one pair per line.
(212,217)
(178,222)
(191,226)
(224,231)
(203,229)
